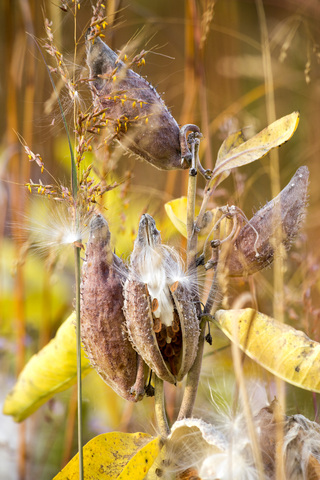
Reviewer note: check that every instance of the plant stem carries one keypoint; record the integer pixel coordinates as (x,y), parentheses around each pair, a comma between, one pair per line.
(160,410)
(278,269)
(191,388)
(237,364)
(79,380)
(190,391)
(191,201)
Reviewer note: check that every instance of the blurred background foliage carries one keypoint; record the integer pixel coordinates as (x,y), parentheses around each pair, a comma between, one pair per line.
(206,59)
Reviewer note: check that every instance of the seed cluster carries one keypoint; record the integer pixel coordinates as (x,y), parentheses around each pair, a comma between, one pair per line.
(170,341)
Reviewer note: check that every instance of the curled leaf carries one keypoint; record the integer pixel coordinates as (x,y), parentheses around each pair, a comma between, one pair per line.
(114,455)
(177,212)
(287,353)
(48,372)
(242,153)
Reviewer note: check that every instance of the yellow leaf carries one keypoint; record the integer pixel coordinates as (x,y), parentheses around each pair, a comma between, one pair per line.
(50,371)
(230,143)
(236,153)
(112,456)
(177,212)
(287,353)
(139,465)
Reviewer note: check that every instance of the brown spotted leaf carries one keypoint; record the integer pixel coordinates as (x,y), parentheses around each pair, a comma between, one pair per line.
(287,353)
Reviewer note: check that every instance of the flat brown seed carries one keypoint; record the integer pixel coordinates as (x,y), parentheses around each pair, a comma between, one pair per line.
(157,325)
(168,351)
(162,342)
(175,325)
(174,286)
(155,305)
(170,332)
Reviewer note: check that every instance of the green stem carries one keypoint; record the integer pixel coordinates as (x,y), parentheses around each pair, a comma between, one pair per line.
(79,380)
(160,410)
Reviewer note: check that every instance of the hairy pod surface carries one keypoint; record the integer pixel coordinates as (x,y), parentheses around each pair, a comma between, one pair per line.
(140,119)
(103,331)
(161,317)
(285,212)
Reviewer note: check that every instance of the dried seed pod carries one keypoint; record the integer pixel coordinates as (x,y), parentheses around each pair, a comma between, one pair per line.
(102,322)
(140,119)
(254,246)
(161,317)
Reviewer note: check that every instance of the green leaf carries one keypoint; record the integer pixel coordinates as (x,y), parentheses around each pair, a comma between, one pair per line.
(113,456)
(50,371)
(234,152)
(286,352)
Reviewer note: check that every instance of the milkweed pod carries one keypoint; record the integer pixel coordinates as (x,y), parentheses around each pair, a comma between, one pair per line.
(140,119)
(161,316)
(281,218)
(103,332)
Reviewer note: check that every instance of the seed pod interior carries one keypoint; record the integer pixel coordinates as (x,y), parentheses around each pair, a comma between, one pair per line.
(161,316)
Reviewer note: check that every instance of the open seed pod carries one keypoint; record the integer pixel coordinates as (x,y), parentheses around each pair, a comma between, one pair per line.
(138,117)
(103,331)
(257,241)
(161,316)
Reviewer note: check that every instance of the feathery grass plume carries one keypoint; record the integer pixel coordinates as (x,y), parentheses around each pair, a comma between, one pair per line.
(102,322)
(53,226)
(137,116)
(161,317)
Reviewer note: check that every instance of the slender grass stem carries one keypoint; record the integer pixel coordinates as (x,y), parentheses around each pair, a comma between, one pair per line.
(79,380)
(74,182)
(160,410)
(278,269)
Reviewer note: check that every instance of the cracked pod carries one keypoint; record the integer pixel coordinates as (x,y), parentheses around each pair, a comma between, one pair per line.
(254,247)
(103,331)
(135,111)
(161,317)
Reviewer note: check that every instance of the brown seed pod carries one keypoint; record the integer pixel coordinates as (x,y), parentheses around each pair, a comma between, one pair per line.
(161,317)
(103,330)
(254,247)
(140,119)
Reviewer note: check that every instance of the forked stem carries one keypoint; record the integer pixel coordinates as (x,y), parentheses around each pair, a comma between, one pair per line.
(160,410)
